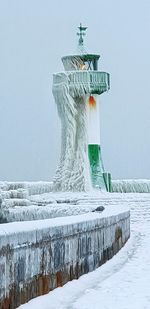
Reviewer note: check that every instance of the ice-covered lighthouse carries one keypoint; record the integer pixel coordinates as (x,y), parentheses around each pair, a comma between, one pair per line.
(76,92)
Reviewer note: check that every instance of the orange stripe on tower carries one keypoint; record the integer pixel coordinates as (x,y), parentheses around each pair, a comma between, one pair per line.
(91,101)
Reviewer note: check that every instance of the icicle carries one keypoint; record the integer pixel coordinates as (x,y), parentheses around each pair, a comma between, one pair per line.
(72,63)
(72,173)
(131,185)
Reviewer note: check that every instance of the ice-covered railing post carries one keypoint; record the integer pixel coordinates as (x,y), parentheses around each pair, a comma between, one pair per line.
(76,94)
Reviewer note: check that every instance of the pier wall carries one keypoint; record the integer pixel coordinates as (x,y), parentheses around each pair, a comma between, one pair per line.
(38,256)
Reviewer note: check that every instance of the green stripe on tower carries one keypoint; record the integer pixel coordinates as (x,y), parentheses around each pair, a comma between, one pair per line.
(96,166)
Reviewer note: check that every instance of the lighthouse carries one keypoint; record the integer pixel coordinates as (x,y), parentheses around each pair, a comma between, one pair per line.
(76,92)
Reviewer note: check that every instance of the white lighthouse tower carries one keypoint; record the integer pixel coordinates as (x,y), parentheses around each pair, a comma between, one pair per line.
(76,92)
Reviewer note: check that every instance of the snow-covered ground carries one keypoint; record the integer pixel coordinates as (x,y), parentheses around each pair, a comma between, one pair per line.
(121,283)
(24,201)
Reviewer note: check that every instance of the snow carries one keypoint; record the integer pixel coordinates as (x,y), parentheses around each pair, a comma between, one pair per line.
(72,63)
(45,205)
(72,173)
(16,227)
(131,185)
(121,283)
(24,201)
(33,187)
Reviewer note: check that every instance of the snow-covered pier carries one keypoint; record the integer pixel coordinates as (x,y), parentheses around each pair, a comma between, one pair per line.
(38,256)
(123,282)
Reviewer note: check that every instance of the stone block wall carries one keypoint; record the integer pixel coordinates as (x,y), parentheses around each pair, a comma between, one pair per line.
(38,256)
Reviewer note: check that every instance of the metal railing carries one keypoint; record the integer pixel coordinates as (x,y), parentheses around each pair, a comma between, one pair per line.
(97,81)
(83,81)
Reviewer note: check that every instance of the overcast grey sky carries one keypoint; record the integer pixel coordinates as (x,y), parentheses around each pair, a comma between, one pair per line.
(33,36)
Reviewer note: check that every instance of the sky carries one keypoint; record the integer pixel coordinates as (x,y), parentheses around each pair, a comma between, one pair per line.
(34,35)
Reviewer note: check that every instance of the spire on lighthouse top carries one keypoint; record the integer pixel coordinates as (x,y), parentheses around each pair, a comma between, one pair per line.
(83,60)
(81,33)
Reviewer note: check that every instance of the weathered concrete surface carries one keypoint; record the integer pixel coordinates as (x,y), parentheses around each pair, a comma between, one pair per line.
(37,260)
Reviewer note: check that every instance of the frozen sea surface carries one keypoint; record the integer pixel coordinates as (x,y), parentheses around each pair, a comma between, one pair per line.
(121,283)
